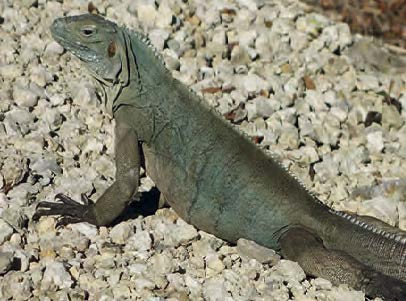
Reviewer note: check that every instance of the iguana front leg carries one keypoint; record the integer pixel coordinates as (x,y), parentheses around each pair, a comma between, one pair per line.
(114,200)
(308,250)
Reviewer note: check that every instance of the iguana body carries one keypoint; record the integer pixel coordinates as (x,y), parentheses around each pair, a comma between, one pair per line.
(214,177)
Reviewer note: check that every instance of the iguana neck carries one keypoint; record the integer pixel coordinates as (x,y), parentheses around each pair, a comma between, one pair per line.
(145,72)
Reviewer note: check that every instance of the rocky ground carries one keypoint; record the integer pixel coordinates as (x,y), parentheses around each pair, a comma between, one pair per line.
(385,19)
(328,103)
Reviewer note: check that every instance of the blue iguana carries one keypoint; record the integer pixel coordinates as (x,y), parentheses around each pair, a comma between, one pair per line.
(213,176)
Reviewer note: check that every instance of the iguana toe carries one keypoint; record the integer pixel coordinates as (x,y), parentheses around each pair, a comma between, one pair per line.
(70,210)
(386,287)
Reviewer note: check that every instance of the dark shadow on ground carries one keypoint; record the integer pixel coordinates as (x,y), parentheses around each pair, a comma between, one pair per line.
(147,204)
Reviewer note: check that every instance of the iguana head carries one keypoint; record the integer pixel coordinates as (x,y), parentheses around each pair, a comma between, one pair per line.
(95,41)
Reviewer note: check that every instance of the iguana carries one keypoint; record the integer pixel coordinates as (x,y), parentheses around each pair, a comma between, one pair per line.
(213,176)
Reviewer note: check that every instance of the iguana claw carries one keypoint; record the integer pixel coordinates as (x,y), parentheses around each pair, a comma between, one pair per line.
(70,210)
(386,287)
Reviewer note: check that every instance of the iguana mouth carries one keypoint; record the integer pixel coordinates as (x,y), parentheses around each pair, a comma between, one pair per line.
(83,52)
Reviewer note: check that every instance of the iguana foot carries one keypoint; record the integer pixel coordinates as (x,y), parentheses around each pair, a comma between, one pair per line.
(379,285)
(70,210)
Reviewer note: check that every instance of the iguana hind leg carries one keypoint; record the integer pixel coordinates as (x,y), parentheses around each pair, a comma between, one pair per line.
(300,245)
(114,200)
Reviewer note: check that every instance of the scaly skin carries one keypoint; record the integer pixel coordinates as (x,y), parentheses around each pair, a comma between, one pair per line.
(214,177)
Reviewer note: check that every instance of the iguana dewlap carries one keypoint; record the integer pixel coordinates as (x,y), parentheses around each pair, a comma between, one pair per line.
(213,176)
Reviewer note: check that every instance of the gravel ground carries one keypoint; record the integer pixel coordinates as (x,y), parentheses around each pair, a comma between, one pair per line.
(385,19)
(329,104)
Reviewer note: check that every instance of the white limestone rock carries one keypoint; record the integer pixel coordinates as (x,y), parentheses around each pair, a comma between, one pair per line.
(250,249)
(161,263)
(286,269)
(381,207)
(10,71)
(214,289)
(252,84)
(14,167)
(140,241)
(158,37)
(53,48)
(24,97)
(56,274)
(40,76)
(260,107)
(5,231)
(147,13)
(367,82)
(311,23)
(337,36)
(375,143)
(342,293)
(165,15)
(121,233)
(6,262)
(88,230)
(105,261)
(321,284)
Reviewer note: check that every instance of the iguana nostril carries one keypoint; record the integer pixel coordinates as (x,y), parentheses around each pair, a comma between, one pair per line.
(57,24)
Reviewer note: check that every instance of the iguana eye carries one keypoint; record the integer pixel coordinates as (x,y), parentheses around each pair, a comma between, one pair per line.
(87,31)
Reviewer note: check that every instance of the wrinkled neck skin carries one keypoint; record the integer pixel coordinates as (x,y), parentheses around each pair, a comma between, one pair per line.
(112,89)
(138,77)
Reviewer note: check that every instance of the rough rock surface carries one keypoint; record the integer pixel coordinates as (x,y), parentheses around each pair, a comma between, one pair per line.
(299,84)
